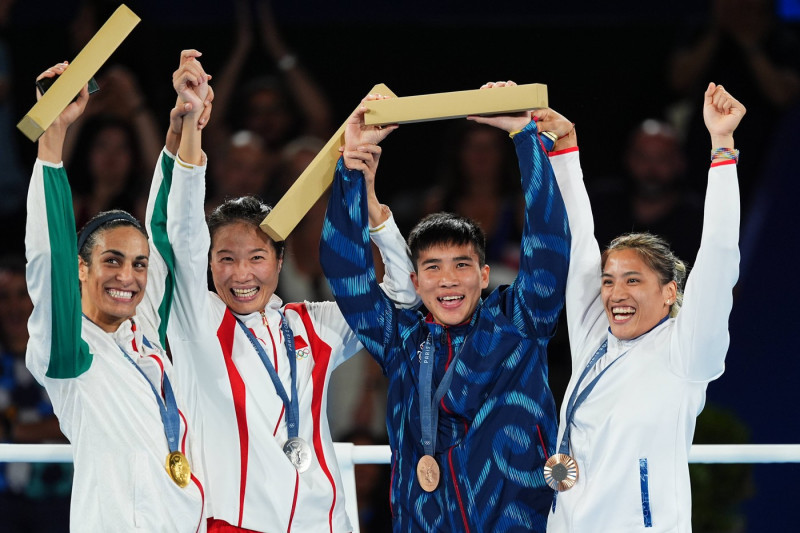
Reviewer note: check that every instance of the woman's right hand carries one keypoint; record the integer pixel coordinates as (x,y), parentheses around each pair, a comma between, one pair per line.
(51,143)
(74,109)
(190,81)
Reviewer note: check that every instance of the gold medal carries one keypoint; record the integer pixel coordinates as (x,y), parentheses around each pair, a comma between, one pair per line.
(561,472)
(178,469)
(428,473)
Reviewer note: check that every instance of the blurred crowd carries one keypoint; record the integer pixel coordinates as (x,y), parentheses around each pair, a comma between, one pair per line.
(271,116)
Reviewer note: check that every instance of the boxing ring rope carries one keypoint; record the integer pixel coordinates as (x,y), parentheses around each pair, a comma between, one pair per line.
(349,455)
(347,452)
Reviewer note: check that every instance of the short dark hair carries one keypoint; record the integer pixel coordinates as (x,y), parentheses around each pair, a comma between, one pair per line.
(99,224)
(247,209)
(446,229)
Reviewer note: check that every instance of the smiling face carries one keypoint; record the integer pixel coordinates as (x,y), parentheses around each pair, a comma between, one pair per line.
(244,266)
(113,283)
(449,280)
(634,299)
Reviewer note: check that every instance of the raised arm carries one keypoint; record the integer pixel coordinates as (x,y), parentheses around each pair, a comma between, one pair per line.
(584,308)
(544,254)
(345,251)
(701,334)
(160,292)
(55,349)
(361,152)
(186,225)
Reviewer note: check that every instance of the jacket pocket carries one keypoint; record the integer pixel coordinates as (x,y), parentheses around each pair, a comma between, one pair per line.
(644,486)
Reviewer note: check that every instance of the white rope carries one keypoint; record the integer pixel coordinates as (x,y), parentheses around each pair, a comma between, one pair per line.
(745,453)
(700,453)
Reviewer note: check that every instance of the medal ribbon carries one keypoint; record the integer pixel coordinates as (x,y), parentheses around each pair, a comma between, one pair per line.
(429,410)
(293,405)
(575,402)
(168,406)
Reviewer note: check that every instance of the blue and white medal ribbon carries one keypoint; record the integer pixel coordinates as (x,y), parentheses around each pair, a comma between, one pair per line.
(560,469)
(427,468)
(177,464)
(296,449)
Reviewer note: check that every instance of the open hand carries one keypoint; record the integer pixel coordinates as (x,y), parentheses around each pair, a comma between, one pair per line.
(508,122)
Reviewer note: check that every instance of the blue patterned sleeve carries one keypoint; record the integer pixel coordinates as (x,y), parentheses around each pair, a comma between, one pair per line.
(346,258)
(538,291)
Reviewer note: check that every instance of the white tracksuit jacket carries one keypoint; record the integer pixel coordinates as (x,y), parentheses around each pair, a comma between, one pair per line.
(631,437)
(105,407)
(250,482)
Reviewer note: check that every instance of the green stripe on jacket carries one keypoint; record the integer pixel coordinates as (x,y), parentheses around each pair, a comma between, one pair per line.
(69,353)
(158,232)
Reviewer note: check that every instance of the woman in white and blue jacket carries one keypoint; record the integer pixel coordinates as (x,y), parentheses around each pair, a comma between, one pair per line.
(649,366)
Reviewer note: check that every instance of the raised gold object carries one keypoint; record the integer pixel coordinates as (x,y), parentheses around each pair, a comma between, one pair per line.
(310,185)
(83,67)
(318,176)
(456,104)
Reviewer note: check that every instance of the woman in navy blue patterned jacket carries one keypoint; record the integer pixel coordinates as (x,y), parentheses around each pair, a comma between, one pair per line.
(470,415)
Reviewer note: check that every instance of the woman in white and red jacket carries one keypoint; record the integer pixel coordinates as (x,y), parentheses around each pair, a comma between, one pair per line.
(240,376)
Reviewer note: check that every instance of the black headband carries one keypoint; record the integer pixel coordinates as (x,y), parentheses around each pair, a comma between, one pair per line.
(92,226)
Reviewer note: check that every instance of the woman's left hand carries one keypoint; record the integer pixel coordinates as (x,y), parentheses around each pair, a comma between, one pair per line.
(722,114)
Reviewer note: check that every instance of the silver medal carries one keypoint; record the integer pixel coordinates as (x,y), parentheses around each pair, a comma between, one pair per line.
(299,453)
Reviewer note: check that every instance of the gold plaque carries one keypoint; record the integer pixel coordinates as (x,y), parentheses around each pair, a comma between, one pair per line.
(84,66)
(428,473)
(178,469)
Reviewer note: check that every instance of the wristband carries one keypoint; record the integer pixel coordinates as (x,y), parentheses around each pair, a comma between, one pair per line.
(723,154)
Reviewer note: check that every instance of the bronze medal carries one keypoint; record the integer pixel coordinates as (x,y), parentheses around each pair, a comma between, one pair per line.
(561,472)
(178,469)
(428,473)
